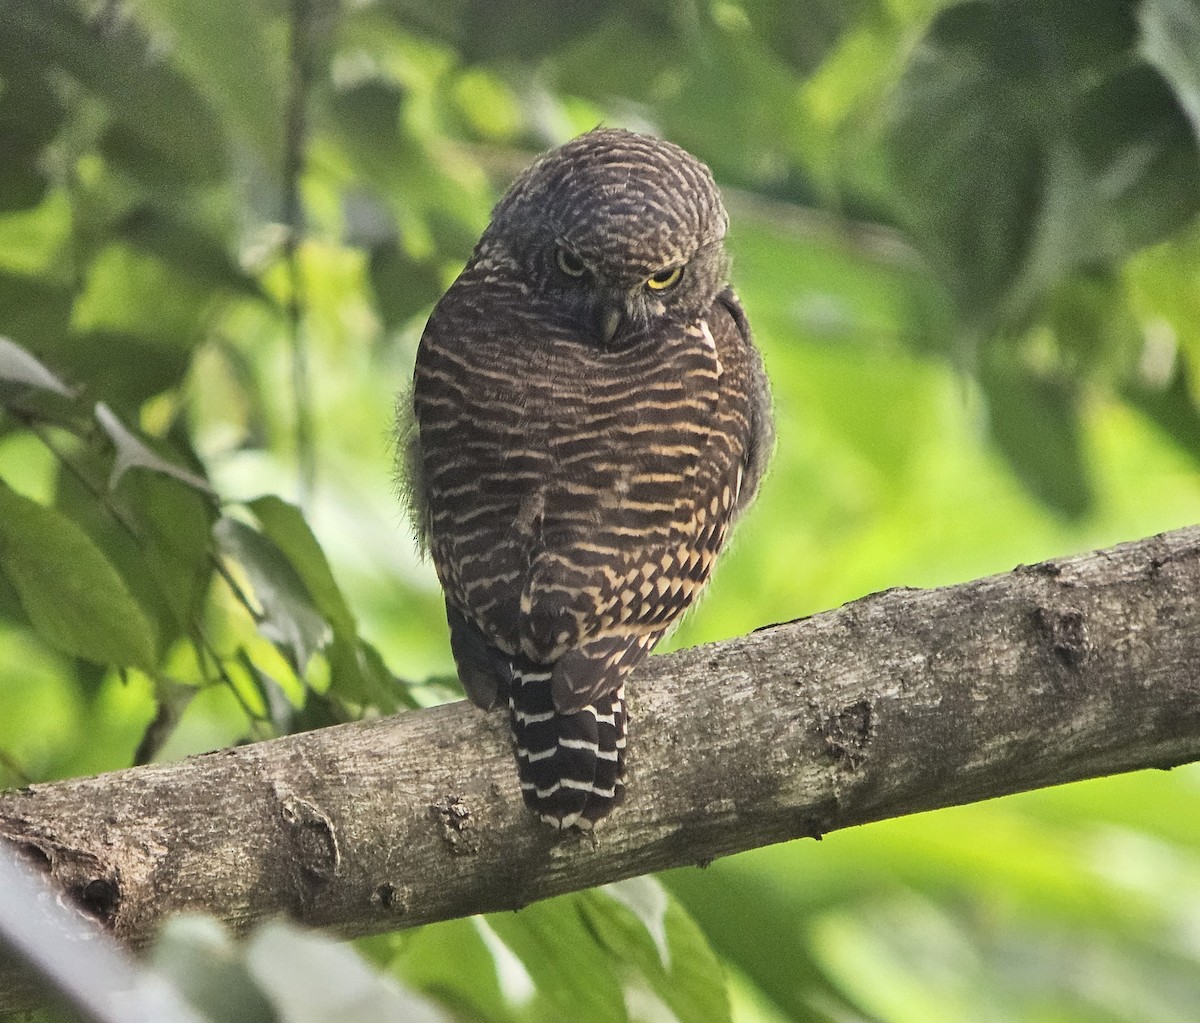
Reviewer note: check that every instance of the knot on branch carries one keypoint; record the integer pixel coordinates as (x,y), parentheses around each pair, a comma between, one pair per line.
(392,898)
(92,886)
(847,733)
(312,836)
(1067,632)
(455,816)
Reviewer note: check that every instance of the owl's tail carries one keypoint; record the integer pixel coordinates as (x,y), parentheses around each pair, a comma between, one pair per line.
(570,765)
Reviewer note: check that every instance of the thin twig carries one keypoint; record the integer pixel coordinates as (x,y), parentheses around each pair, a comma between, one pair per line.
(293,168)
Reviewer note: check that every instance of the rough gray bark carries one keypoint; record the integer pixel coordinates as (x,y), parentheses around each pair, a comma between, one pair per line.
(902,701)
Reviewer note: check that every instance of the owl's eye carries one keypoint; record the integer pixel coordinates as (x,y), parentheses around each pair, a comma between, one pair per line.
(665,279)
(569,263)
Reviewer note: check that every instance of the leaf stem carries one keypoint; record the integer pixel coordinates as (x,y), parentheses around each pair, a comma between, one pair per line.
(293,168)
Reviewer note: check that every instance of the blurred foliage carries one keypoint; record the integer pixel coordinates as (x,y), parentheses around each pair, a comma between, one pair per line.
(967,238)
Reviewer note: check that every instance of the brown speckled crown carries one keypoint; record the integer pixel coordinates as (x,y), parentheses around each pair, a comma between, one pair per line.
(622,199)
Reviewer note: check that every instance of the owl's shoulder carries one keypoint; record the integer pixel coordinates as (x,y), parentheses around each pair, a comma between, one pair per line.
(728,306)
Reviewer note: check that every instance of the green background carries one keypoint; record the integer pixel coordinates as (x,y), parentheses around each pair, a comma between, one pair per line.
(966,237)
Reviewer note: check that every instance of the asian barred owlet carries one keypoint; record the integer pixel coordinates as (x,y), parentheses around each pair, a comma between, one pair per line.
(591,416)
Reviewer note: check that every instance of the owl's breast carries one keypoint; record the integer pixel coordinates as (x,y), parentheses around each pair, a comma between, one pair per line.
(534,441)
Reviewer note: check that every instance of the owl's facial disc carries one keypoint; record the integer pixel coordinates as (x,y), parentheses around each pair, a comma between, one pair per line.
(610,301)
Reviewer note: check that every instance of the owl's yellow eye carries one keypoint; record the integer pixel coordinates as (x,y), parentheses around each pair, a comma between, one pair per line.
(665,279)
(569,263)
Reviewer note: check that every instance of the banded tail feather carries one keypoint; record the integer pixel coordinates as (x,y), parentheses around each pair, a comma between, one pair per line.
(571,766)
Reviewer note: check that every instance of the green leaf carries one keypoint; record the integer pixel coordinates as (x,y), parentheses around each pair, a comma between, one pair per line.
(403,286)
(280,710)
(285,525)
(34,310)
(1095,331)
(804,33)
(574,976)
(1171,41)
(129,291)
(758,922)
(358,674)
(694,76)
(1026,141)
(133,452)
(18,367)
(314,979)
(175,522)
(200,958)
(73,596)
(1139,166)
(202,257)
(357,671)
(656,940)
(31,114)
(486,31)
(154,530)
(641,948)
(127,369)
(146,96)
(812,281)
(236,56)
(287,712)
(965,162)
(1171,406)
(1034,421)
(290,618)
(647,900)
(10,603)
(368,122)
(281,973)
(455,961)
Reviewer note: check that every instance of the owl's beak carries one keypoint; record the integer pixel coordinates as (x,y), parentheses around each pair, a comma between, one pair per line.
(608,319)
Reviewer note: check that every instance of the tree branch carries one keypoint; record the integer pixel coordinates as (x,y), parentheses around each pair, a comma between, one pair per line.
(902,701)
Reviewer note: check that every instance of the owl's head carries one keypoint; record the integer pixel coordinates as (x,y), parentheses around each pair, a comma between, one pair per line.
(618,230)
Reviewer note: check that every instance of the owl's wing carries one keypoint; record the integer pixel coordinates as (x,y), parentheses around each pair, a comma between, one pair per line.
(694,440)
(482,668)
(760,426)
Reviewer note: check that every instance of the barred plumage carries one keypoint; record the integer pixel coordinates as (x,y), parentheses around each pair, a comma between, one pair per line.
(591,417)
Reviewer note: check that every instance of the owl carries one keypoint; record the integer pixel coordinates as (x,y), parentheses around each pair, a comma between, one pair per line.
(589,418)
